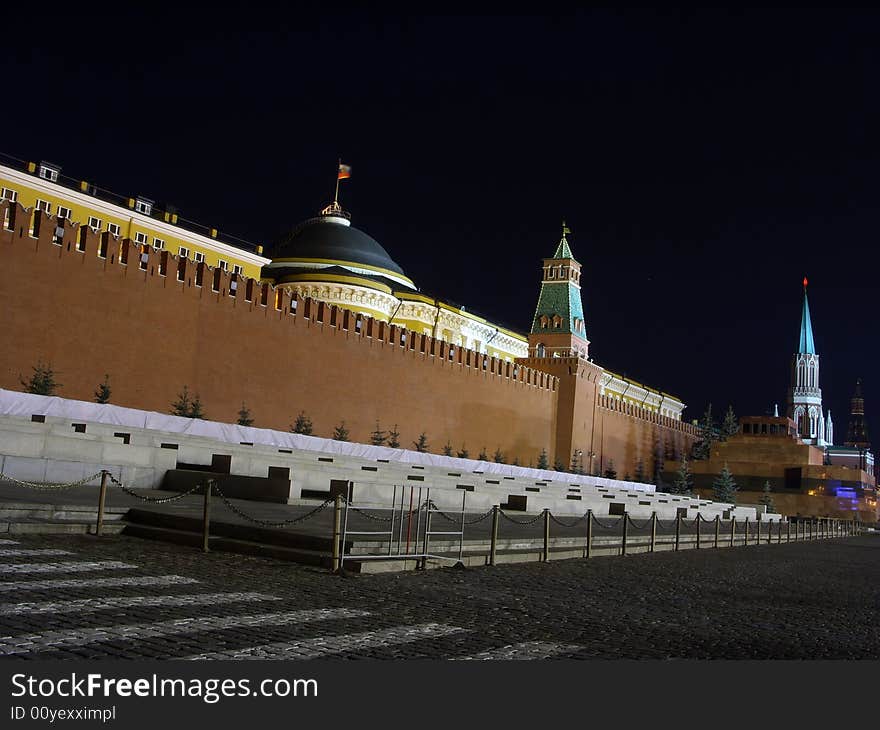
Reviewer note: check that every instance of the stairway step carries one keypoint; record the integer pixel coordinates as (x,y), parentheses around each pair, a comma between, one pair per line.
(227,544)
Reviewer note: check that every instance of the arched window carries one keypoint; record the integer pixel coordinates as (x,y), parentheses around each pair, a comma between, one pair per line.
(544,321)
(540,350)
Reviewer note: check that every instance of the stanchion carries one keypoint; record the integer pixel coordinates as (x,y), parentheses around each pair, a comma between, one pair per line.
(337,531)
(206,516)
(732,530)
(623,536)
(779,531)
(717,528)
(698,520)
(746,536)
(493,547)
(546,535)
(653,530)
(589,533)
(788,539)
(810,525)
(102,496)
(758,530)
(770,533)
(677,530)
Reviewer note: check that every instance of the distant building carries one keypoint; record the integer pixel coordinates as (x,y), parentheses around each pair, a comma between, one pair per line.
(794,454)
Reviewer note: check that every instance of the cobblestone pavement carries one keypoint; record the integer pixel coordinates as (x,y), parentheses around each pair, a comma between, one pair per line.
(131,598)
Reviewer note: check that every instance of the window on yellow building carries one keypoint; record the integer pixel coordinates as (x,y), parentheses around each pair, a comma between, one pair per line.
(236,269)
(94,223)
(223,265)
(158,244)
(183,252)
(64,212)
(140,239)
(43,205)
(10,195)
(198,257)
(113,228)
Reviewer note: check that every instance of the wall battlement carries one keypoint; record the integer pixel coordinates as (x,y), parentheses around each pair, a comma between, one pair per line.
(91,304)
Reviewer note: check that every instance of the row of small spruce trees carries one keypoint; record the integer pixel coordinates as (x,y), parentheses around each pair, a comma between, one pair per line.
(44,381)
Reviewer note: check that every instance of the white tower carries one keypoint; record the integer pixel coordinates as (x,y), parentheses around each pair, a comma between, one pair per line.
(805,395)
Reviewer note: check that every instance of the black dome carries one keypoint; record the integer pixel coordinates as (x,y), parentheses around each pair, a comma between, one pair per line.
(329,237)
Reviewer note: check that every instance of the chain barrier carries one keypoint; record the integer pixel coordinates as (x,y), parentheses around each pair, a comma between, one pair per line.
(567,524)
(457,520)
(49,487)
(604,526)
(518,522)
(152,500)
(270,523)
(644,526)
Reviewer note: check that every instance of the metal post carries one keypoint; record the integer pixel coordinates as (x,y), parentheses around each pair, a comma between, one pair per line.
(589,533)
(427,527)
(698,520)
(461,536)
(102,495)
(770,533)
(391,528)
(337,527)
(496,518)
(788,539)
(779,531)
(758,538)
(810,524)
(732,530)
(206,516)
(653,530)
(746,537)
(546,534)
(717,528)
(677,530)
(623,536)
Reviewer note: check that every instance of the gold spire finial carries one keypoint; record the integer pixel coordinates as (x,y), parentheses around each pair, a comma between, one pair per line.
(565,229)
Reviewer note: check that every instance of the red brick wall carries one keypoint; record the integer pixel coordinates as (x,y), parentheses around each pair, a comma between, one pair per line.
(87,316)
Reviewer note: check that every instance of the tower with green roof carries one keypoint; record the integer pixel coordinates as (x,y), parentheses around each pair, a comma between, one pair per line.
(558,327)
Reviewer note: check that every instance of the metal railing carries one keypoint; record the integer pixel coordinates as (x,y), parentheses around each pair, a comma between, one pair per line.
(408,526)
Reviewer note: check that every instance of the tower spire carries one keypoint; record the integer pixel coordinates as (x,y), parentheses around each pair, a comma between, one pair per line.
(806,344)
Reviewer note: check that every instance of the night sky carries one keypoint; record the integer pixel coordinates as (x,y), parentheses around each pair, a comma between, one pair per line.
(705,163)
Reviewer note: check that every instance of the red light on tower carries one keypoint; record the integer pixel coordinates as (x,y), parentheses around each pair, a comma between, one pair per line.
(805,282)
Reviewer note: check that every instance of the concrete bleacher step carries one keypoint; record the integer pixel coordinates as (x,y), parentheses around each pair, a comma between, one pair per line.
(303,556)
(251,533)
(36,518)
(57,527)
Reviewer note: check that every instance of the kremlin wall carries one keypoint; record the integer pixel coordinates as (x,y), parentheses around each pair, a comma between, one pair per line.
(91,303)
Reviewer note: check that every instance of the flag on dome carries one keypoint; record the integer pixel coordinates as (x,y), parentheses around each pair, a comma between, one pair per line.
(344,172)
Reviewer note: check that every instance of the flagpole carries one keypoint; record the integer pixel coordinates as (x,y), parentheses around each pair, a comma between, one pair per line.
(336,194)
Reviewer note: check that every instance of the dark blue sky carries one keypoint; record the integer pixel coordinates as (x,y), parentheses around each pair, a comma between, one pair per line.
(705,161)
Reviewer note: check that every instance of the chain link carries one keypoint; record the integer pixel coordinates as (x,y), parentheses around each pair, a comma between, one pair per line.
(457,520)
(564,524)
(518,522)
(153,500)
(49,487)
(643,526)
(603,525)
(270,523)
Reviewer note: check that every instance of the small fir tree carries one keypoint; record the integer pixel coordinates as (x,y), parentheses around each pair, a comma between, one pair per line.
(610,472)
(543,460)
(42,382)
(558,465)
(640,471)
(302,424)
(244,416)
(627,477)
(724,488)
(181,407)
(195,408)
(703,448)
(498,457)
(394,437)
(447,449)
(483,456)
(767,497)
(421,443)
(378,437)
(340,433)
(515,461)
(730,425)
(576,462)
(684,480)
(463,453)
(102,394)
